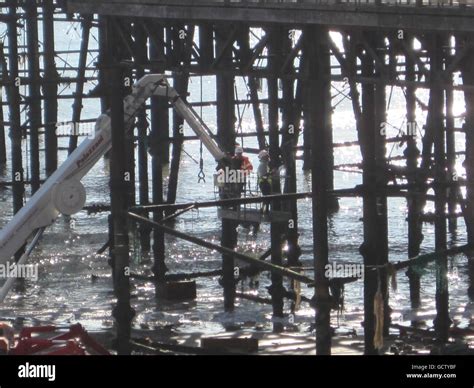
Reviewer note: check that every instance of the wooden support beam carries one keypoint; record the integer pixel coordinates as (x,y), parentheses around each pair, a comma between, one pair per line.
(225,48)
(257,51)
(35,110)
(122,312)
(225,97)
(452,195)
(367,136)
(141,56)
(288,64)
(159,150)
(318,123)
(264,265)
(382,178)
(226,137)
(206,49)
(81,71)
(5,76)
(468,76)
(289,140)
(467,73)
(50,88)
(301,13)
(442,320)
(14,99)
(277,289)
(181,84)
(412,153)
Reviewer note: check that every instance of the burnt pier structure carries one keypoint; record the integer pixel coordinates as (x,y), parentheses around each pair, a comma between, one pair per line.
(309,54)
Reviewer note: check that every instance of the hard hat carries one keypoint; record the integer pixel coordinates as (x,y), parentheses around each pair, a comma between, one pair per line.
(239,150)
(263,154)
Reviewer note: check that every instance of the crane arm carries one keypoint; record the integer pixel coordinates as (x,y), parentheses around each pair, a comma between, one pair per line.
(63,193)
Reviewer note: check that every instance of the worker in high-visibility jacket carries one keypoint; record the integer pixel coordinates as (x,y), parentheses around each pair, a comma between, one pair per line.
(242,165)
(244,161)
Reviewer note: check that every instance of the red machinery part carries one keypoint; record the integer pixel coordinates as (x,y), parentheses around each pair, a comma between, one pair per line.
(76,341)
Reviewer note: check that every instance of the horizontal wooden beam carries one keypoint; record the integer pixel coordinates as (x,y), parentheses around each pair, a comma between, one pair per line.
(452,19)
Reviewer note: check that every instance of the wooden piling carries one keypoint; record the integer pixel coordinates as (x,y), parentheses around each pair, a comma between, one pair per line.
(452,193)
(227,139)
(181,85)
(15,110)
(141,56)
(158,148)
(468,78)
(289,142)
(34,98)
(225,51)
(245,57)
(367,138)
(3,146)
(318,123)
(123,313)
(81,72)
(380,111)
(412,153)
(206,49)
(50,88)
(4,81)
(226,119)
(277,289)
(467,73)
(442,320)
(102,60)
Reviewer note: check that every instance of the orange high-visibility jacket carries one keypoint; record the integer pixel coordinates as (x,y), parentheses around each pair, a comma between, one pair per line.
(246,164)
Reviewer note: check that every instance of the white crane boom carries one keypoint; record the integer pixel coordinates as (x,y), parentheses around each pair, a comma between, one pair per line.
(63,193)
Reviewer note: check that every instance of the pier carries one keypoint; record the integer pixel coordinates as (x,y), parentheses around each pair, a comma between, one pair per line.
(310,55)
